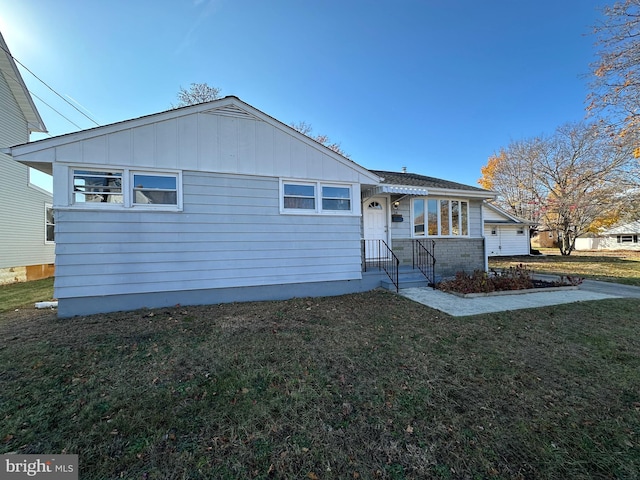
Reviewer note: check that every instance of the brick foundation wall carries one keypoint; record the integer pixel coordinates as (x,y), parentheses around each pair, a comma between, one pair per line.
(452,254)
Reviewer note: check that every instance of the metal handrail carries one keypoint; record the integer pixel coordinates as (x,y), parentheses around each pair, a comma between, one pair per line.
(378,253)
(424,258)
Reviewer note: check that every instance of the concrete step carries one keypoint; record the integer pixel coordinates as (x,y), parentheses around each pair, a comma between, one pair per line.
(407,279)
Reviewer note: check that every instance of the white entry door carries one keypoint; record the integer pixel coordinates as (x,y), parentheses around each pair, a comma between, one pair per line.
(374,217)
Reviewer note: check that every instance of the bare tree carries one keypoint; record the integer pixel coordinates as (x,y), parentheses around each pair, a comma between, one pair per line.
(567,181)
(197,93)
(616,73)
(306,129)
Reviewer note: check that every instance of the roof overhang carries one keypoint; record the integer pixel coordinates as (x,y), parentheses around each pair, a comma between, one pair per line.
(397,190)
(9,69)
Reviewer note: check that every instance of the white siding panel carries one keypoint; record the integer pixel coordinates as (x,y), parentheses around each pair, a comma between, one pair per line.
(95,149)
(120,147)
(207,143)
(475,218)
(22,213)
(188,142)
(265,152)
(210,143)
(247,155)
(70,152)
(166,144)
(228,145)
(230,234)
(144,148)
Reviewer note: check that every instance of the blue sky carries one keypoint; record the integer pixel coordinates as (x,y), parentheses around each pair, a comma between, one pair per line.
(433,85)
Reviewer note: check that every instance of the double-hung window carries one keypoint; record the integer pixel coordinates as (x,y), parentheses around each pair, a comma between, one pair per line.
(440,217)
(49,224)
(126,188)
(316,197)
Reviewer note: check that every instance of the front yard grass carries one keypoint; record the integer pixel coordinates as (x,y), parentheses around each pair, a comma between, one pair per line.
(23,294)
(613,266)
(360,386)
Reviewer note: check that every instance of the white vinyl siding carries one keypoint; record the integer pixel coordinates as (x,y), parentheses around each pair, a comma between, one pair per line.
(230,234)
(22,207)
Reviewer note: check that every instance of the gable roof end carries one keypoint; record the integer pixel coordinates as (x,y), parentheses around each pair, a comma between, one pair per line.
(9,70)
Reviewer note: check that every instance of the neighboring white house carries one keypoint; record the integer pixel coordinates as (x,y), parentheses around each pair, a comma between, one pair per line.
(621,237)
(220,202)
(505,234)
(26,217)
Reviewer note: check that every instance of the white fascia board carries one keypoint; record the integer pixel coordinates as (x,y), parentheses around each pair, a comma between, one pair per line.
(450,192)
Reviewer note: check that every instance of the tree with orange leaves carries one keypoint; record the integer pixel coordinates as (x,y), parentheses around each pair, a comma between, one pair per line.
(567,182)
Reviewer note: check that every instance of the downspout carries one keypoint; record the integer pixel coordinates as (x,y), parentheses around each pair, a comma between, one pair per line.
(484,239)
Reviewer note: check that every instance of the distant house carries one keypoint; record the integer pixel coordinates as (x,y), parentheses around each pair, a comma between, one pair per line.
(221,202)
(505,234)
(26,215)
(621,237)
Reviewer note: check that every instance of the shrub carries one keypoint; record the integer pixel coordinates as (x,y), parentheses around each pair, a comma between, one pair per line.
(517,277)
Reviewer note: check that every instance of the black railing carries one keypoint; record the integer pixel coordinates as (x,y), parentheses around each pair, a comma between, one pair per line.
(376,253)
(424,259)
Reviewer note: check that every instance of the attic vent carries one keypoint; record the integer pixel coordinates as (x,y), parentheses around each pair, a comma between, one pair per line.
(231,111)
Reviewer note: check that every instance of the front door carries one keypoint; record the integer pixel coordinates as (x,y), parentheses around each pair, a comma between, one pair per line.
(374,217)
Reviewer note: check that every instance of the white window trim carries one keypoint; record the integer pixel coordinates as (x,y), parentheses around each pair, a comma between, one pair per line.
(318,198)
(127,189)
(48,206)
(426,219)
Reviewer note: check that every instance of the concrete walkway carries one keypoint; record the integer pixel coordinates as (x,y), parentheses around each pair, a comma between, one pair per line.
(459,306)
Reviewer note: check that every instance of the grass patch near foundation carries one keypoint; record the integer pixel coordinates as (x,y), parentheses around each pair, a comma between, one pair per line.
(25,294)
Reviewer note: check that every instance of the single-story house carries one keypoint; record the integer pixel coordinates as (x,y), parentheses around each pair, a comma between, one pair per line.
(621,237)
(505,234)
(26,214)
(220,202)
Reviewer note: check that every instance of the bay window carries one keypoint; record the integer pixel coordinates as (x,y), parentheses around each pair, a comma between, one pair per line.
(444,217)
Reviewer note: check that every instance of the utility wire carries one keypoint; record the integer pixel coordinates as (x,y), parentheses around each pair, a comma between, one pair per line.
(67,119)
(50,88)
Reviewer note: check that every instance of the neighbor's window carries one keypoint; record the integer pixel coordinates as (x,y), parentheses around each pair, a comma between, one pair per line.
(444,217)
(151,189)
(299,196)
(520,231)
(93,186)
(49,224)
(627,239)
(494,231)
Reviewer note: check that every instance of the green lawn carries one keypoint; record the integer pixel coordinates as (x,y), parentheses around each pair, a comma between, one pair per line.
(359,386)
(18,295)
(614,266)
